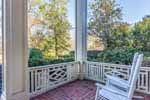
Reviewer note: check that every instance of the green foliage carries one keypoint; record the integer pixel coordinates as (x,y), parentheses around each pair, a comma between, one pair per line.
(104,14)
(120,39)
(36,58)
(35,53)
(121,36)
(53,38)
(55,19)
(147,56)
(117,55)
(93,55)
(105,21)
(141,33)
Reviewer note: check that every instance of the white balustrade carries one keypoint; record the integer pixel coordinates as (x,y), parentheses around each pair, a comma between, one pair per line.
(44,78)
(96,71)
(143,83)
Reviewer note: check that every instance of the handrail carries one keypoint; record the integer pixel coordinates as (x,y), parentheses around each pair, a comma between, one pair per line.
(44,66)
(127,66)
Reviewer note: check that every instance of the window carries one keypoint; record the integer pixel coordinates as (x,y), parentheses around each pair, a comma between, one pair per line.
(51,29)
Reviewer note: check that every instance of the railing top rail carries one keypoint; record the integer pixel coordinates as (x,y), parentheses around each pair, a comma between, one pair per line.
(51,65)
(116,65)
(145,68)
(107,64)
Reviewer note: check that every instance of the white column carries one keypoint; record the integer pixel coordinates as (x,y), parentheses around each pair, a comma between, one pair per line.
(15,50)
(81,32)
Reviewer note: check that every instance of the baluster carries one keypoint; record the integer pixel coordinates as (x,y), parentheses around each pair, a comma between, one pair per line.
(32,81)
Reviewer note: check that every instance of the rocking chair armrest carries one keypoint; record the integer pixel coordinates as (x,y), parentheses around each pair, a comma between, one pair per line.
(111,90)
(99,85)
(115,91)
(117,81)
(115,71)
(109,77)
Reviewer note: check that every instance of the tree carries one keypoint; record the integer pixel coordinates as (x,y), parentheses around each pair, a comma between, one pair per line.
(37,40)
(94,43)
(104,14)
(34,19)
(55,19)
(51,17)
(121,36)
(141,34)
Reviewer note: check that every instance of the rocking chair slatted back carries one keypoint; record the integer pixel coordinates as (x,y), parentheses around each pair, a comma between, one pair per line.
(135,76)
(133,66)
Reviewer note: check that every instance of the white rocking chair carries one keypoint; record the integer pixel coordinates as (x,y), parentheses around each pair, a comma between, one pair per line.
(109,92)
(117,81)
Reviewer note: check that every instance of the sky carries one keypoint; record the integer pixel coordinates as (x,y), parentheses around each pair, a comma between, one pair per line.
(133,10)
(71,12)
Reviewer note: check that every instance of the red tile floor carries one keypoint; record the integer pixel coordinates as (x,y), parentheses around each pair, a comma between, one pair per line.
(77,90)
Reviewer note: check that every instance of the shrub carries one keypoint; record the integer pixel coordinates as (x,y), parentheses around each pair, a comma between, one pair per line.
(93,55)
(118,55)
(36,58)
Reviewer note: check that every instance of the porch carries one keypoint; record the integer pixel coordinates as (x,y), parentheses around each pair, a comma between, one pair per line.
(21,82)
(60,81)
(76,90)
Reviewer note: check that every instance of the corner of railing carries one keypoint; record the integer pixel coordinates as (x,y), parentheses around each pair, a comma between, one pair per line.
(82,64)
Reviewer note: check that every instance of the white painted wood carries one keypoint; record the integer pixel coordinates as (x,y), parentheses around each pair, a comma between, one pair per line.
(133,66)
(15,50)
(144,87)
(115,93)
(81,33)
(81,30)
(55,75)
(135,76)
(107,68)
(98,71)
(117,81)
